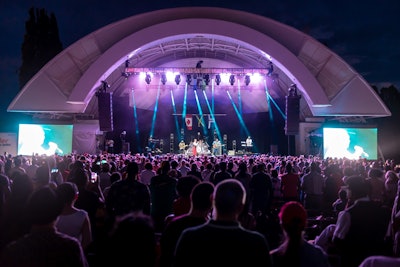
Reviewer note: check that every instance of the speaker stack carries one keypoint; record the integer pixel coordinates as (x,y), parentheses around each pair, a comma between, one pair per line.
(224,143)
(292,114)
(171,143)
(104,100)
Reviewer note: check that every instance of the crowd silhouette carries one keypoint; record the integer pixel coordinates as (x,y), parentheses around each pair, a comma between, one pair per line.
(193,210)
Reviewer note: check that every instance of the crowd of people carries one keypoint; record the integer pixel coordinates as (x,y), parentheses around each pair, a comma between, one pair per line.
(198,210)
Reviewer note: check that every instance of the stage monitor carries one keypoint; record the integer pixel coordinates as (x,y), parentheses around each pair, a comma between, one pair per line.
(350,143)
(44,139)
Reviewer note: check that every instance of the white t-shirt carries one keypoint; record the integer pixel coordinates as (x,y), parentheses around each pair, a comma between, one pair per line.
(71,224)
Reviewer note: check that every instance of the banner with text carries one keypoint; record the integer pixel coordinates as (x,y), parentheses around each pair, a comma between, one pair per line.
(8,143)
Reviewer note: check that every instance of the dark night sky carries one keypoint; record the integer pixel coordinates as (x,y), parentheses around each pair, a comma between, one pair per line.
(365,34)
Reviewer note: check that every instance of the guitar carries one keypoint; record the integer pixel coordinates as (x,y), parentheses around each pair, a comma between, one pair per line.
(216,144)
(182,145)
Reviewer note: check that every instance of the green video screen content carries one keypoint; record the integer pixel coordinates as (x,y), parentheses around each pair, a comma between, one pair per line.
(350,143)
(44,139)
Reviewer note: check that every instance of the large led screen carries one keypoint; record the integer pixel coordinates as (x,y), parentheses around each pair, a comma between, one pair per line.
(351,143)
(44,139)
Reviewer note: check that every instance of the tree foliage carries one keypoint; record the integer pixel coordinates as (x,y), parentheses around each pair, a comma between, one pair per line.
(41,43)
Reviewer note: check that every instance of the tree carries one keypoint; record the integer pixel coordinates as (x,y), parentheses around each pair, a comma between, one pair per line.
(41,43)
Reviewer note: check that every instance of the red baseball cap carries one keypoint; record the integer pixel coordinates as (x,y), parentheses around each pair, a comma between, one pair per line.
(293,213)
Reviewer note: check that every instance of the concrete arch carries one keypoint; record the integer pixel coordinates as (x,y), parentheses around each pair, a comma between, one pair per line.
(225,30)
(68,83)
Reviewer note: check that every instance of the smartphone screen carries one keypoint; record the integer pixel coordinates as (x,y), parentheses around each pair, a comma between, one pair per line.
(93,178)
(54,170)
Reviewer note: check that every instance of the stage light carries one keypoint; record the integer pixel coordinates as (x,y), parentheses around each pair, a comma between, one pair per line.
(177,79)
(163,78)
(148,78)
(247,79)
(125,74)
(188,79)
(232,79)
(217,79)
(207,79)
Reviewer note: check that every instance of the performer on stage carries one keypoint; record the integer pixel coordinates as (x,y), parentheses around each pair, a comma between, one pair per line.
(123,143)
(123,136)
(110,145)
(216,146)
(151,144)
(182,147)
(249,144)
(199,147)
(194,147)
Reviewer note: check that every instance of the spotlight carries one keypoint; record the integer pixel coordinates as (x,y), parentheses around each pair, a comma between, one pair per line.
(247,79)
(188,79)
(178,79)
(207,79)
(125,74)
(163,78)
(232,79)
(217,79)
(148,78)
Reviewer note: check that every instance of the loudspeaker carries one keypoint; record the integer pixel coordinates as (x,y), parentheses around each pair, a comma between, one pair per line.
(225,143)
(161,145)
(292,115)
(104,100)
(171,143)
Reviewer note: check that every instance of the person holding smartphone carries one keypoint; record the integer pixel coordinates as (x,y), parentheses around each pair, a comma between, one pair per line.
(93,177)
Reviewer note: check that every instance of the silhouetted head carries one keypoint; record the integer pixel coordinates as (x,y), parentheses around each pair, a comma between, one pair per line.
(132,170)
(201,196)
(185,185)
(43,174)
(67,192)
(357,186)
(293,218)
(229,197)
(44,206)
